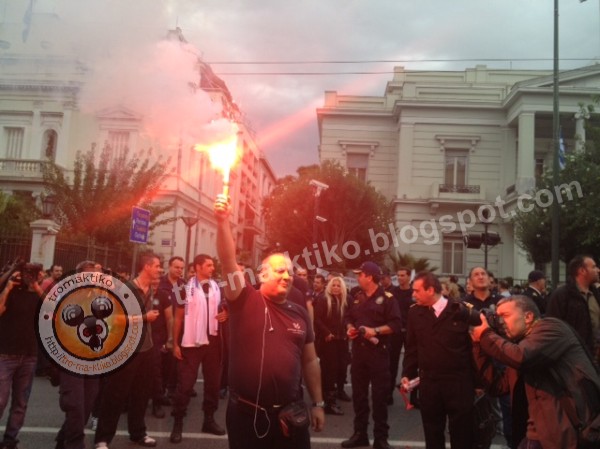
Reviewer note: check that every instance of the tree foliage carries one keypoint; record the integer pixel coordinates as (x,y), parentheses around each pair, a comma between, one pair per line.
(16,212)
(409,261)
(96,203)
(353,209)
(579,199)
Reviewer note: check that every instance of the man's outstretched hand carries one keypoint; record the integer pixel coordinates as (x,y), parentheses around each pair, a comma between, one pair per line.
(222,207)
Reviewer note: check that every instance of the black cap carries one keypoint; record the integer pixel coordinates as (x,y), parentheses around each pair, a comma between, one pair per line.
(369,268)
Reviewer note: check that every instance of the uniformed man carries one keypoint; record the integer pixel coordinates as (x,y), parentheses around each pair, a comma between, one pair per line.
(371,317)
(482,296)
(438,351)
(537,289)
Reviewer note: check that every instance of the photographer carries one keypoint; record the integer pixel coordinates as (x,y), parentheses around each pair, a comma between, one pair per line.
(19,302)
(551,361)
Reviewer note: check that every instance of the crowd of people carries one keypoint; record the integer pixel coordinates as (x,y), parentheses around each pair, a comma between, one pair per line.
(286,350)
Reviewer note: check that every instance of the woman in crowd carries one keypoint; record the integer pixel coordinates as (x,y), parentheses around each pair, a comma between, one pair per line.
(332,343)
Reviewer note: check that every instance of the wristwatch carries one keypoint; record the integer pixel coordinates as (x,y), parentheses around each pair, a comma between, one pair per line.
(377,331)
(319,404)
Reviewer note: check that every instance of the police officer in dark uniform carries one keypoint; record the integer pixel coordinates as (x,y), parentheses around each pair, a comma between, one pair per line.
(482,296)
(536,289)
(371,317)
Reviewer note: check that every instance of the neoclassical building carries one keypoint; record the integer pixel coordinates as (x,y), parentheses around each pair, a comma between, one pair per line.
(445,146)
(41,120)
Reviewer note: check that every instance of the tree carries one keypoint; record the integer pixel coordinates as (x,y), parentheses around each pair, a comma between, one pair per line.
(96,203)
(16,212)
(409,261)
(577,194)
(354,212)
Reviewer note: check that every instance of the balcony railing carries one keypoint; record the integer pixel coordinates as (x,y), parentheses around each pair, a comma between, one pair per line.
(29,168)
(452,188)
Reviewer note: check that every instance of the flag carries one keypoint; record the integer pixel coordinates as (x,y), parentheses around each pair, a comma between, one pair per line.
(561,151)
(27,21)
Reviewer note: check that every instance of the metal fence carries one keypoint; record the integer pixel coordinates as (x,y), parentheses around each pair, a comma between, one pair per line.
(67,253)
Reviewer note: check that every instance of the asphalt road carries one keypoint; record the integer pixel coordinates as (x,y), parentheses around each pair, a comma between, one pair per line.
(44,419)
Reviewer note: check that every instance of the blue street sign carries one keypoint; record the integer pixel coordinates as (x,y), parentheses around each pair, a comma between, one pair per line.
(140,225)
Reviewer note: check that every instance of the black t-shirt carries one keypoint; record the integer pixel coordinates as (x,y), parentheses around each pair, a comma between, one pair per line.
(175,293)
(17,324)
(254,347)
(405,300)
(160,302)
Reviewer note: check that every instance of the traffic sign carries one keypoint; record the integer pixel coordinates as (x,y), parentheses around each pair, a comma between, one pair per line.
(140,225)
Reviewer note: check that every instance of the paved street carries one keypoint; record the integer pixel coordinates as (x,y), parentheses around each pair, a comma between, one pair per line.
(44,418)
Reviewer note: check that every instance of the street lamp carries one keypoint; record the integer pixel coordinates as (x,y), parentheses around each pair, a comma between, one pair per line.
(319,188)
(189,222)
(48,205)
(487,239)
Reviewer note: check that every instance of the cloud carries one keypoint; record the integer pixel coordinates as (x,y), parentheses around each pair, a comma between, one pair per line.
(119,38)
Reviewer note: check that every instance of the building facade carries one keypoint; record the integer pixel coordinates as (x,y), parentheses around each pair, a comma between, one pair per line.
(41,120)
(446,146)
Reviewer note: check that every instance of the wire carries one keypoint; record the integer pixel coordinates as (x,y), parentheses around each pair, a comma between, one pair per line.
(366,72)
(379,61)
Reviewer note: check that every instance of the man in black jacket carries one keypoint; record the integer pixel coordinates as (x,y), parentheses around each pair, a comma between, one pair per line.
(438,350)
(577,302)
(536,290)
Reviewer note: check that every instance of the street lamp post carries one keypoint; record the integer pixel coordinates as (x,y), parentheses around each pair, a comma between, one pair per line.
(319,188)
(555,159)
(189,222)
(486,238)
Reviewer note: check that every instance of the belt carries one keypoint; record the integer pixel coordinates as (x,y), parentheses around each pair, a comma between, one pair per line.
(367,344)
(249,405)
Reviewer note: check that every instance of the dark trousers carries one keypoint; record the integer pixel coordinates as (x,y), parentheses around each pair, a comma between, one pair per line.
(187,373)
(131,385)
(333,355)
(370,365)
(163,366)
(251,428)
(77,396)
(396,343)
(452,398)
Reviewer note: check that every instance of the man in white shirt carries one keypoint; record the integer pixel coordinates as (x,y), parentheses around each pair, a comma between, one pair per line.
(196,341)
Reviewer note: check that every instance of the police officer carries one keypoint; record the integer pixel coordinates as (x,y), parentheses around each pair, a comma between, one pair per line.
(371,317)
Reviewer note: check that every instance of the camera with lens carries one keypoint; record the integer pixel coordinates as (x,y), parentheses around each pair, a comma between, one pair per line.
(467,313)
(28,273)
(494,321)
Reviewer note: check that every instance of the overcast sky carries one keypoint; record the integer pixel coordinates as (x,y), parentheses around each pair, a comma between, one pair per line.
(281,105)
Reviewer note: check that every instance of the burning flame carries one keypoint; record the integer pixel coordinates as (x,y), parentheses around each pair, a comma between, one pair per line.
(223,155)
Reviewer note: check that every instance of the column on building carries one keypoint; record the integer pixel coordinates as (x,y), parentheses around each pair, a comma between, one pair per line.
(526,153)
(405,153)
(580,118)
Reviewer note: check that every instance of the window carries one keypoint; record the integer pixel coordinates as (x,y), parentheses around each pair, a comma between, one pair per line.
(539,168)
(119,143)
(14,142)
(455,173)
(453,255)
(356,164)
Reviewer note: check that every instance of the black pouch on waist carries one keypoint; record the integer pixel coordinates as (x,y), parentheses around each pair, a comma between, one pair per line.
(294,418)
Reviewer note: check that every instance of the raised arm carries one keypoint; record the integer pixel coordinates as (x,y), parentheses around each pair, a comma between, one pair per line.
(232,275)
